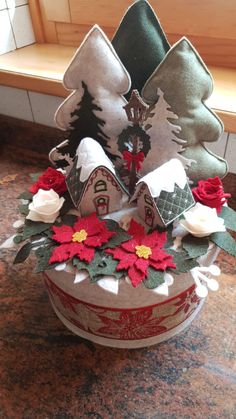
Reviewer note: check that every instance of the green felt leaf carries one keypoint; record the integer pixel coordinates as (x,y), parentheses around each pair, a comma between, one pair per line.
(18,239)
(229,215)
(120,236)
(100,266)
(24,209)
(155,278)
(170,240)
(68,204)
(35,176)
(26,195)
(182,261)
(225,241)
(23,253)
(195,246)
(69,219)
(33,228)
(43,255)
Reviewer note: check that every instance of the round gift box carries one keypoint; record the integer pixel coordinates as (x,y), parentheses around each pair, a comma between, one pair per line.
(134,318)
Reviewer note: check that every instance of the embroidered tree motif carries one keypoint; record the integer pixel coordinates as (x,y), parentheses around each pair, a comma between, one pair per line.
(164,136)
(187,84)
(85,123)
(133,142)
(95,107)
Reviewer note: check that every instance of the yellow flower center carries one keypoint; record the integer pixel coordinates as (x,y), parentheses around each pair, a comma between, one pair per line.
(143,251)
(79,236)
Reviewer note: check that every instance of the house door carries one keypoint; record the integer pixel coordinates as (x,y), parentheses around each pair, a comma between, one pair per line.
(149,216)
(101,203)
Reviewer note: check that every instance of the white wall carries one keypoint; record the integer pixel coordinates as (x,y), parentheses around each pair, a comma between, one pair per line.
(16,28)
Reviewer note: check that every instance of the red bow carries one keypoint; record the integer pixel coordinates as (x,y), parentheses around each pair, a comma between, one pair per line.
(130,158)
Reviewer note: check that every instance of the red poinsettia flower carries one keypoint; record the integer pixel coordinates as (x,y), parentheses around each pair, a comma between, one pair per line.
(140,252)
(80,240)
(50,179)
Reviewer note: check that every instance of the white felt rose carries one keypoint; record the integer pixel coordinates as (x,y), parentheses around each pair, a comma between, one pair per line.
(202,221)
(45,207)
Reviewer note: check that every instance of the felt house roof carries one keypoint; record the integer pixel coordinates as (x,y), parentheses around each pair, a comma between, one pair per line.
(90,157)
(164,178)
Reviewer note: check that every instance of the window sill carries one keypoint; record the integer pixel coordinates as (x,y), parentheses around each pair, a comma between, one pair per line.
(40,68)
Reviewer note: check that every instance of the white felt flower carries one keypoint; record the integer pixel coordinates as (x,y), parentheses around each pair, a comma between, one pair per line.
(202,221)
(45,206)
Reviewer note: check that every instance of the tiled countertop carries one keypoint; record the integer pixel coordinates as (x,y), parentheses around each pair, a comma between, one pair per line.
(46,372)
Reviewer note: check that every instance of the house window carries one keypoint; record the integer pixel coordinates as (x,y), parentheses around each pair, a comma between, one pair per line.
(149,216)
(148,200)
(100,186)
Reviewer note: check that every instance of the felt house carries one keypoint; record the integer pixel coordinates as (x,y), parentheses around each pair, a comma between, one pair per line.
(93,183)
(163,194)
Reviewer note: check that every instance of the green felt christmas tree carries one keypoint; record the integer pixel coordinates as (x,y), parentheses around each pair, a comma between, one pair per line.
(186,84)
(140,43)
(84,123)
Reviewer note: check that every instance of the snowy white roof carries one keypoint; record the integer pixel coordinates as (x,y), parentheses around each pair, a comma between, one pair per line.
(91,155)
(164,178)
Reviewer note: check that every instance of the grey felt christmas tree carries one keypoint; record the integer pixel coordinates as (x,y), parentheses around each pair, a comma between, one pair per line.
(140,43)
(186,83)
(95,107)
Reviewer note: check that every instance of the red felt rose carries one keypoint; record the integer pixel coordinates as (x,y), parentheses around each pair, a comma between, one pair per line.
(50,179)
(210,192)
(140,252)
(80,240)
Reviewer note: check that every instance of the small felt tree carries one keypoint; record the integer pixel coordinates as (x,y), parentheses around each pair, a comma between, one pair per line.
(140,43)
(164,136)
(95,107)
(85,124)
(186,83)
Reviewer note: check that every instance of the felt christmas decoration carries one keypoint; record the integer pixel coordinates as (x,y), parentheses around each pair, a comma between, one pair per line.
(187,84)
(142,253)
(80,240)
(140,42)
(133,142)
(93,183)
(164,136)
(163,195)
(95,107)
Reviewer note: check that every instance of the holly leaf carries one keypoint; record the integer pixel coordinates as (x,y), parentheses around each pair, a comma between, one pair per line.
(225,241)
(68,204)
(195,246)
(182,261)
(23,253)
(24,209)
(35,176)
(229,216)
(18,239)
(43,255)
(69,219)
(169,241)
(121,235)
(100,266)
(26,195)
(33,228)
(155,278)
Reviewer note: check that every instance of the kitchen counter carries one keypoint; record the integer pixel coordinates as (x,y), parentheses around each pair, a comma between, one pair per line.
(46,372)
